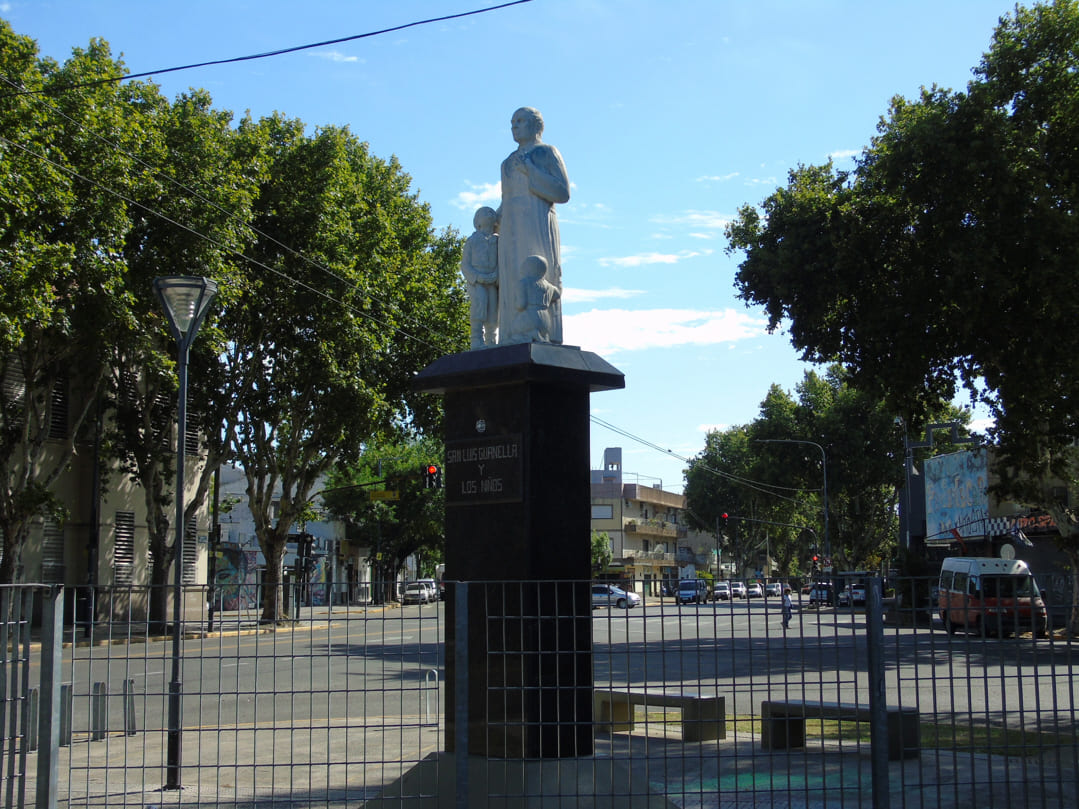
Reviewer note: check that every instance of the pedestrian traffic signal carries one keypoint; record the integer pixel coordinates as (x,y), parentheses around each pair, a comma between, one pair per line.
(432,476)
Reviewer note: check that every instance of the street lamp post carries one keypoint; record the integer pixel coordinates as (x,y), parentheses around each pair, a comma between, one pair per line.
(185,300)
(824,489)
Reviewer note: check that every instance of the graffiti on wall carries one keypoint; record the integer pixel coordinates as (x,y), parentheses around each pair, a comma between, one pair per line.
(236,579)
(956,494)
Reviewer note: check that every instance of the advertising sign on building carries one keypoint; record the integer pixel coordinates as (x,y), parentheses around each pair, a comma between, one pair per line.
(956,496)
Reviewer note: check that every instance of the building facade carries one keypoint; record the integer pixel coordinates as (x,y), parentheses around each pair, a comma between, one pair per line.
(651,545)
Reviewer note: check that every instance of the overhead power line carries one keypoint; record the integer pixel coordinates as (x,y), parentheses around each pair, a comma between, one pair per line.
(764,488)
(165,178)
(266,54)
(211,240)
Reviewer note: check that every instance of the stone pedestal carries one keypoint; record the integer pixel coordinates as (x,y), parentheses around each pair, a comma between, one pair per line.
(518,521)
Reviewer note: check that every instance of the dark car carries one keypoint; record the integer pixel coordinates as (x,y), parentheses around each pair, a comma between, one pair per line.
(692,591)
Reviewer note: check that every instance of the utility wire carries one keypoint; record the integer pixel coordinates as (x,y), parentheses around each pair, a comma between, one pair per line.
(71,172)
(265,55)
(764,488)
(355,286)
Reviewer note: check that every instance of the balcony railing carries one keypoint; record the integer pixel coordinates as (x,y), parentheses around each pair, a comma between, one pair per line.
(658,556)
(656,528)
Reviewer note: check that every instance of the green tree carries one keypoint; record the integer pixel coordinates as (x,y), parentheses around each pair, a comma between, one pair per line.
(411,524)
(601,551)
(948,253)
(353,294)
(62,293)
(197,173)
(769,477)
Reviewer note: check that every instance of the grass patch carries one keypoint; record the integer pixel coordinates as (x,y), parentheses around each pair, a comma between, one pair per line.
(934,736)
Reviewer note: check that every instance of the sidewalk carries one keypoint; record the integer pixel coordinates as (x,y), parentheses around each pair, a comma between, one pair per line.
(655,772)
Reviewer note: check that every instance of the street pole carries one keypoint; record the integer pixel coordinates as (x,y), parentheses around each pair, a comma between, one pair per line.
(186,300)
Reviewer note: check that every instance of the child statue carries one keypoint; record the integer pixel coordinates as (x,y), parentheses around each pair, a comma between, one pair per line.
(479,265)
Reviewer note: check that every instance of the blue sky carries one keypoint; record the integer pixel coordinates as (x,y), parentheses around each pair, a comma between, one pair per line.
(669,115)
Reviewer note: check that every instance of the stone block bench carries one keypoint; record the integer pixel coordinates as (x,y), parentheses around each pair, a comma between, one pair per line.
(783,724)
(703,715)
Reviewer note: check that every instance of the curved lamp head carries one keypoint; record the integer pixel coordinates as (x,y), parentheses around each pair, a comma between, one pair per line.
(186,298)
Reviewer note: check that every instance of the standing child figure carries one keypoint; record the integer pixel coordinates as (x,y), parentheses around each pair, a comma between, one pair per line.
(479,265)
(788,607)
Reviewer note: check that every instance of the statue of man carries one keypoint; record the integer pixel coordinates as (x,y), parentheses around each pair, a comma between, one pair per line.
(533,180)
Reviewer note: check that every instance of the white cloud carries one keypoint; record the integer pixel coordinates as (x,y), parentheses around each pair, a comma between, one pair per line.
(608,331)
(711,428)
(575,295)
(651,258)
(337,56)
(843,154)
(710,220)
(478,195)
(717,178)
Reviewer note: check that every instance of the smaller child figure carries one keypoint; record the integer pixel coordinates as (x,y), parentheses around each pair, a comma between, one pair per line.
(532,324)
(479,265)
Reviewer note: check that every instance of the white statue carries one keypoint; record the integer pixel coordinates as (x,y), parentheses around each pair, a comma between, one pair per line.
(479,265)
(533,180)
(538,297)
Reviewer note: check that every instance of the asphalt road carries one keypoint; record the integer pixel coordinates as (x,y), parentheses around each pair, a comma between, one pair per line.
(390,663)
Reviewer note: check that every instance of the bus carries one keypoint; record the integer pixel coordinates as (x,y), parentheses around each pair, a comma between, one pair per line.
(990,596)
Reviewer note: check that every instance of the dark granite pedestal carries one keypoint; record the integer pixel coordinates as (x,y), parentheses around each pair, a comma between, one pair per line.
(518,519)
(518,523)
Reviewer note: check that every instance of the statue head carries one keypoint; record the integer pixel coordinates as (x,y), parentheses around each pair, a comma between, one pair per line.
(534,267)
(485,219)
(526,122)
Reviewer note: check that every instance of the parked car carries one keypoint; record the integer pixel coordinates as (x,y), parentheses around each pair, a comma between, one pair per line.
(415,593)
(610,595)
(432,588)
(755,590)
(692,591)
(773,588)
(849,596)
(738,589)
(721,591)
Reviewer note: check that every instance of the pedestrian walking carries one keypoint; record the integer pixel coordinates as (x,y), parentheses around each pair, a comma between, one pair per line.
(788,607)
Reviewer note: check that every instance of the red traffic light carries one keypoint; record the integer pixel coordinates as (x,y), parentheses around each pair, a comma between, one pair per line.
(723,515)
(432,476)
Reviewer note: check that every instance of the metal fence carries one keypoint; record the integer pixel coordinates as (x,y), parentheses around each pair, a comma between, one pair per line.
(696,705)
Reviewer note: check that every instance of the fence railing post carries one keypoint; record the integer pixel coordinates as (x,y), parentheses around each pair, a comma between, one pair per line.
(129,707)
(460,692)
(99,711)
(51,709)
(878,705)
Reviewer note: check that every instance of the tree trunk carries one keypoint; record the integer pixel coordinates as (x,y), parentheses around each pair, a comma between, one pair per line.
(273,594)
(159,600)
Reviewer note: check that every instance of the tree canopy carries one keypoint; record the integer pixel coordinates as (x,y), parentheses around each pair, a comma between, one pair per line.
(334,289)
(769,477)
(947,255)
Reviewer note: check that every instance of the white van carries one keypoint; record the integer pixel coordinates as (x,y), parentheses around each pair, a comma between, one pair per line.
(991,596)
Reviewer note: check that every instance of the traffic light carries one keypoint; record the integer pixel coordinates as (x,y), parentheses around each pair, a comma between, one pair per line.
(723,520)
(432,476)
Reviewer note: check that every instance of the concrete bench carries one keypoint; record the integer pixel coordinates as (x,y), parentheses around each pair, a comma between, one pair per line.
(783,724)
(703,715)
